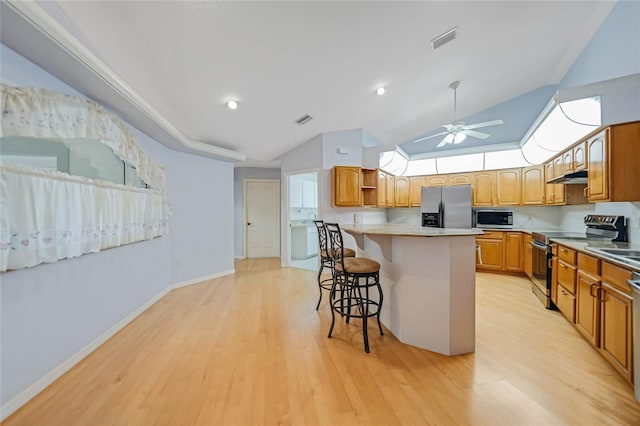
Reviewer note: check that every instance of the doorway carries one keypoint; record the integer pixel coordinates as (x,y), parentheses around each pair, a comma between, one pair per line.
(262,217)
(302,210)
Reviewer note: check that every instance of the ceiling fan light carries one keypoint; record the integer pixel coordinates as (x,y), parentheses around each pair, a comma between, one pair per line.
(458,138)
(449,138)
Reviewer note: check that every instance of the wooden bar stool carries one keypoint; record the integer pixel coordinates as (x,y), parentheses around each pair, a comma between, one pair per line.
(326,260)
(356,277)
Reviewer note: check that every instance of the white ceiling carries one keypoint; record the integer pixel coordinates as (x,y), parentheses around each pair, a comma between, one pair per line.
(282,60)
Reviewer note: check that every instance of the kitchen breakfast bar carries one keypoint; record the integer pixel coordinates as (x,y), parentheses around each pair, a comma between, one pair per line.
(428,281)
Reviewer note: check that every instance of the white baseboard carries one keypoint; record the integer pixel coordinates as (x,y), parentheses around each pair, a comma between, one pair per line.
(201,279)
(240,257)
(39,385)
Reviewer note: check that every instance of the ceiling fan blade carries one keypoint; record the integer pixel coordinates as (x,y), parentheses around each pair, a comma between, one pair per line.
(442,143)
(429,137)
(475,134)
(483,124)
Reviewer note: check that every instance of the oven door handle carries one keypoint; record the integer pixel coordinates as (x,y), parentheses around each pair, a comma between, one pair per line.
(539,245)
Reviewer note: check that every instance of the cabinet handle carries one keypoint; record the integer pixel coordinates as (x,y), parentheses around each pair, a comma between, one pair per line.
(549,263)
(586,192)
(591,287)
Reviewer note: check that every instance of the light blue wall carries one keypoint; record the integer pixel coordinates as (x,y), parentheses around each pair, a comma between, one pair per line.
(614,50)
(51,311)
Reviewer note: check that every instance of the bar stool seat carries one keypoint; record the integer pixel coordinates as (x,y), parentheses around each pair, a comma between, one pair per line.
(356,278)
(326,259)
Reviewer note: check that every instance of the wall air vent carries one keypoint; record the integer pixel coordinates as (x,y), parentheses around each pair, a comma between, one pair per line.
(304,119)
(444,38)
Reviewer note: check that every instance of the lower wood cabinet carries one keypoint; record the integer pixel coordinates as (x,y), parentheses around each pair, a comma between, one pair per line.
(500,251)
(513,251)
(528,255)
(588,307)
(490,254)
(595,297)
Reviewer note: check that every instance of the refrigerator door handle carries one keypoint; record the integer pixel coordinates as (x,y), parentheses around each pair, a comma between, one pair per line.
(440,215)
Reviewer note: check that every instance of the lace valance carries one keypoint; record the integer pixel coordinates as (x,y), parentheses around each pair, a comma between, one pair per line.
(48,215)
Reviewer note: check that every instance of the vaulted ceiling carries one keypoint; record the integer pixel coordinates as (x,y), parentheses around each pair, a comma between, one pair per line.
(282,60)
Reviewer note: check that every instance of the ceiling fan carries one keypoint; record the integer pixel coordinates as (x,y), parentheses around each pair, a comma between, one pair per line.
(458,130)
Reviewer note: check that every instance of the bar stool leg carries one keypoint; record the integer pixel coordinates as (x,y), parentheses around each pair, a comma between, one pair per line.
(320,283)
(377,278)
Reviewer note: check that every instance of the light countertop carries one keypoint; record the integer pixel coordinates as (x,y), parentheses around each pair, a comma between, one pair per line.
(408,230)
(592,247)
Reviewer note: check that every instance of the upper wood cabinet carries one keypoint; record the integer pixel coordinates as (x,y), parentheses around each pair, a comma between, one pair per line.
(579,157)
(460,179)
(508,187)
(415,190)
(401,195)
(612,161)
(391,190)
(435,180)
(347,186)
(369,187)
(533,185)
(382,188)
(484,188)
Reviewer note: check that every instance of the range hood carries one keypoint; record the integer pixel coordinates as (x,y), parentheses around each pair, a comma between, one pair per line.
(575,178)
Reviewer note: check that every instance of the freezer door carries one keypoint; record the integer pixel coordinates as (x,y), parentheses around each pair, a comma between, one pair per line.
(457,206)
(431,196)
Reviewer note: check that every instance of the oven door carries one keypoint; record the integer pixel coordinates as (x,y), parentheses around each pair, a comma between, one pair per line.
(540,270)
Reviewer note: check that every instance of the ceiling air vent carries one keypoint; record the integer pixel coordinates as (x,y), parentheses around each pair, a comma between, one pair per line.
(444,38)
(304,119)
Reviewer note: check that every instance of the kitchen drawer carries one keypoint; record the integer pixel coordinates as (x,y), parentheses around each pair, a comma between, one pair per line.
(492,235)
(567,276)
(616,276)
(566,254)
(589,264)
(566,303)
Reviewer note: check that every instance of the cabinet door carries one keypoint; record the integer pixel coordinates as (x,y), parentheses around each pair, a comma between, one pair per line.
(401,191)
(554,279)
(436,180)
(415,190)
(483,189)
(295,192)
(588,307)
(513,252)
(567,161)
(566,303)
(598,165)
(492,252)
(615,329)
(528,255)
(533,185)
(391,190)
(580,157)
(508,187)
(347,187)
(459,179)
(567,276)
(309,191)
(382,189)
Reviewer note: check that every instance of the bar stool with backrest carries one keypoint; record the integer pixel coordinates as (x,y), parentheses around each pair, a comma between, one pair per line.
(356,277)
(326,260)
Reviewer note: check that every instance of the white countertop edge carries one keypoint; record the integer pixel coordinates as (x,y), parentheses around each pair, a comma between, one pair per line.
(408,230)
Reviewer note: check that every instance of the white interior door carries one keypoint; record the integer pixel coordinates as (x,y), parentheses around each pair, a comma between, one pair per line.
(262,204)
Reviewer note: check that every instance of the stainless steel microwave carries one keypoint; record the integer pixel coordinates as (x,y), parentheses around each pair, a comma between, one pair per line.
(493,218)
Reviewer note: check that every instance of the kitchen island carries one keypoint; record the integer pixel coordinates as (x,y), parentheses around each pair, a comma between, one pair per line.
(428,280)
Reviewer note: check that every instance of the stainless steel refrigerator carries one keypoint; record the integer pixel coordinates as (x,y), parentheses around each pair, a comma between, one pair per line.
(446,206)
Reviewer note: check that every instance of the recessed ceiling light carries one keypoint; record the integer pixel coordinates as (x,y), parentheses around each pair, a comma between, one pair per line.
(381,90)
(231,104)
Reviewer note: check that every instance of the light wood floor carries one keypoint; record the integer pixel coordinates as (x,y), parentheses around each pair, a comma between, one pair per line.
(251,349)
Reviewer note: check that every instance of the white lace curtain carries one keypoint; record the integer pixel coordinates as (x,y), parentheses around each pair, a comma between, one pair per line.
(49,215)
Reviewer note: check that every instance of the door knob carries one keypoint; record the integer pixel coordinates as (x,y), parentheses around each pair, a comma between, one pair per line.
(248,223)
